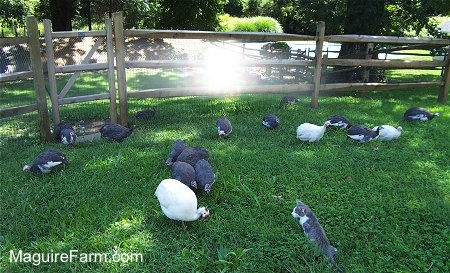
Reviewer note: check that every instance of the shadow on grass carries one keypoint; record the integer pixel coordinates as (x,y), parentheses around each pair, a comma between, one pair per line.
(371,198)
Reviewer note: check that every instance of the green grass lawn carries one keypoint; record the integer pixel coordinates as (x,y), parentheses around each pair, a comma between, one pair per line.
(384,205)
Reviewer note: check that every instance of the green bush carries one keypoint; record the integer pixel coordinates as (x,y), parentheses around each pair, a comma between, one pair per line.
(252,24)
(278,50)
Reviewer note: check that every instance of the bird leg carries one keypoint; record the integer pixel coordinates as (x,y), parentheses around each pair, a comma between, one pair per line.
(183,224)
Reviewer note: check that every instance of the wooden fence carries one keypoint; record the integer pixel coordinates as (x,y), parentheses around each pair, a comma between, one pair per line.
(115,34)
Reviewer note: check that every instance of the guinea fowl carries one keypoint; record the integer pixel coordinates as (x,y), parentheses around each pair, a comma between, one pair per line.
(115,132)
(146,113)
(192,155)
(178,202)
(224,127)
(339,122)
(388,132)
(418,113)
(46,162)
(362,134)
(204,175)
(270,121)
(177,148)
(65,133)
(311,132)
(288,100)
(184,173)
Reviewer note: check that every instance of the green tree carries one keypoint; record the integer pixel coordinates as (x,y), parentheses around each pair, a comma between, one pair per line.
(235,8)
(12,13)
(386,17)
(193,14)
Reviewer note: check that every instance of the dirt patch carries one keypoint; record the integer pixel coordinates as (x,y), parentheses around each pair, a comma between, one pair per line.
(91,126)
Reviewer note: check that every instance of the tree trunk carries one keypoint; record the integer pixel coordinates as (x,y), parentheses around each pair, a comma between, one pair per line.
(362,18)
(61,13)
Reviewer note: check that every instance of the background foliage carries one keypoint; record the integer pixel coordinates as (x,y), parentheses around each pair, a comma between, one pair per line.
(381,17)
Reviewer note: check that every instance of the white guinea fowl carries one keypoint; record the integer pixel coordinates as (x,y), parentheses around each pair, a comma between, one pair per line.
(388,132)
(178,201)
(311,132)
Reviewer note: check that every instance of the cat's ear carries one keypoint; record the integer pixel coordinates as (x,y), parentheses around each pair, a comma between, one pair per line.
(299,202)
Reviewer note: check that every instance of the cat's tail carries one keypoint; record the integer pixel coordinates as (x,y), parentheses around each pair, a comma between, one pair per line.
(331,252)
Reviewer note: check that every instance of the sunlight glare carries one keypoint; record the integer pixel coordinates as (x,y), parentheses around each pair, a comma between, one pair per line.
(222,70)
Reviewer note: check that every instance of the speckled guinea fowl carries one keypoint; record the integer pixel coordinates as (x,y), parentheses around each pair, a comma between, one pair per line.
(65,133)
(339,122)
(115,132)
(362,134)
(224,127)
(204,175)
(288,100)
(192,155)
(184,173)
(419,114)
(270,121)
(146,113)
(46,162)
(177,148)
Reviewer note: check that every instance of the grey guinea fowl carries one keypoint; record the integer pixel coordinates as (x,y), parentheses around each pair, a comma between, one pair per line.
(224,127)
(184,173)
(177,148)
(192,155)
(339,122)
(288,100)
(270,121)
(115,132)
(418,113)
(146,113)
(65,133)
(362,134)
(46,162)
(204,175)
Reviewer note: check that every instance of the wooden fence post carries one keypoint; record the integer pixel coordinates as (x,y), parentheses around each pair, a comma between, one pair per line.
(111,74)
(120,63)
(318,66)
(51,70)
(38,78)
(366,71)
(443,92)
(323,71)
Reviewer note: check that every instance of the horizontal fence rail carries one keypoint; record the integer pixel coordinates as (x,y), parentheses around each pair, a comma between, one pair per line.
(314,62)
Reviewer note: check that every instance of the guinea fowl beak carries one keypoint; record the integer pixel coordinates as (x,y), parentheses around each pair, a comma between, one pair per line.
(206,216)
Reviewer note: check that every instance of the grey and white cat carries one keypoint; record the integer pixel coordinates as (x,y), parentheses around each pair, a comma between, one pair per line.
(315,232)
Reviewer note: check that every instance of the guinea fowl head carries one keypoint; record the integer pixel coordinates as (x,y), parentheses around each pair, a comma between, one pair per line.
(68,136)
(203,212)
(207,188)
(26,168)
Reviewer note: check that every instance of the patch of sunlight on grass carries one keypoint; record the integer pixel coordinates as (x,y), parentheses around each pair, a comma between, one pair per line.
(126,234)
(426,166)
(305,154)
(416,203)
(172,135)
